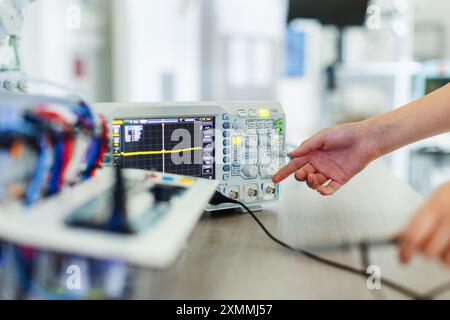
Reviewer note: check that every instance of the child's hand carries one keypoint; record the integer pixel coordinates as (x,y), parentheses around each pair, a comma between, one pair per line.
(429,230)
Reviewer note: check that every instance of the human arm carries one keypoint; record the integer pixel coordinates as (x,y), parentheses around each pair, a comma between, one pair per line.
(333,156)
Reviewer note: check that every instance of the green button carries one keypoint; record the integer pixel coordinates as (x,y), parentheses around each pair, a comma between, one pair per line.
(280,122)
(22,85)
(280,130)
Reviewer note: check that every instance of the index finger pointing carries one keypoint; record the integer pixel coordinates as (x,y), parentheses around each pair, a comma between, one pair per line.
(289,169)
(309,145)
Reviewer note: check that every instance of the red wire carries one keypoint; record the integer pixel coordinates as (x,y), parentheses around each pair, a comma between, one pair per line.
(68,139)
(67,155)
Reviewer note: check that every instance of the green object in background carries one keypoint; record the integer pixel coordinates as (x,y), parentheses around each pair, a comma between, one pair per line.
(9,55)
(433,84)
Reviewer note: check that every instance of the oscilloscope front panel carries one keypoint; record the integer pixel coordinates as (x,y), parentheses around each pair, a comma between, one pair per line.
(241,144)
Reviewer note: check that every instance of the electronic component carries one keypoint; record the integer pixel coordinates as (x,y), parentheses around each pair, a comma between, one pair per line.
(154,144)
(240,144)
(47,143)
(13,81)
(141,218)
(12,14)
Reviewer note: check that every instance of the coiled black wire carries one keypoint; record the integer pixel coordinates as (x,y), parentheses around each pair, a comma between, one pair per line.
(219,198)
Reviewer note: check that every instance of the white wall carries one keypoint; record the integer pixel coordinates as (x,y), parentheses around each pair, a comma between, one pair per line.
(432,12)
(154,38)
(43,41)
(52,43)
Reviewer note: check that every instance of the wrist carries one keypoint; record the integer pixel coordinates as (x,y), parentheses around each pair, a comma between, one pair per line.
(377,135)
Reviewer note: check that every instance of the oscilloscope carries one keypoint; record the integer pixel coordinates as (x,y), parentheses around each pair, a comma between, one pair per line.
(240,144)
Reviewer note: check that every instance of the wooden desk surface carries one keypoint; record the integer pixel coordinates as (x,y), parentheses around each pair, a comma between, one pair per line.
(229,257)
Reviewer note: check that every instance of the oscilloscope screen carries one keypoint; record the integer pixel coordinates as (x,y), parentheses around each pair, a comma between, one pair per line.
(183,145)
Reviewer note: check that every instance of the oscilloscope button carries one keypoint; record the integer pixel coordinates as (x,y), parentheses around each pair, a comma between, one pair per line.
(168,179)
(251,142)
(242,113)
(186,181)
(251,124)
(225,116)
(252,113)
(265,162)
(226,125)
(280,130)
(8,85)
(22,85)
(226,143)
(226,151)
(269,124)
(152,176)
(226,168)
(264,140)
(250,171)
(226,159)
(262,131)
(253,155)
(226,134)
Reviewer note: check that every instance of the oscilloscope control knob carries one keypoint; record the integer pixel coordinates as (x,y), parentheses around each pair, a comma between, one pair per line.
(251,143)
(250,171)
(266,166)
(278,152)
(265,162)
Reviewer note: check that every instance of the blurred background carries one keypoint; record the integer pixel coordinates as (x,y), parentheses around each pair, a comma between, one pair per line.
(327,61)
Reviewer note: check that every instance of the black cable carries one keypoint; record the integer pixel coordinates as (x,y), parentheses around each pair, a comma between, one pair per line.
(219,198)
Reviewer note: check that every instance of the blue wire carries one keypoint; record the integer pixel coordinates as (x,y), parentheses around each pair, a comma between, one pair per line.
(38,177)
(23,276)
(13,122)
(88,113)
(91,157)
(21,271)
(23,128)
(83,111)
(57,166)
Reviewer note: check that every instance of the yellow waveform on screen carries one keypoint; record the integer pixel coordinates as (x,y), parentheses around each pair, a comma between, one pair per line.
(146,153)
